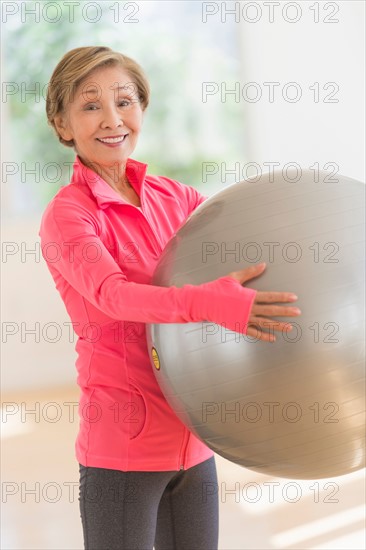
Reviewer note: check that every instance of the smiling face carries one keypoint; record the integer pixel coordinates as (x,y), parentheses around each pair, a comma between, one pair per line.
(104,118)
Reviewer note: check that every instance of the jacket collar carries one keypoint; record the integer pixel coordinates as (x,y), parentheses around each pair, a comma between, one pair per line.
(102,191)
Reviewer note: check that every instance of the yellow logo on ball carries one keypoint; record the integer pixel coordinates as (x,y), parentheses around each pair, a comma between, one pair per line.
(155,358)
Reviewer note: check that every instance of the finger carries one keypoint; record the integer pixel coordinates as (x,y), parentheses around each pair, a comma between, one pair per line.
(272,297)
(258,334)
(269,324)
(248,273)
(275,311)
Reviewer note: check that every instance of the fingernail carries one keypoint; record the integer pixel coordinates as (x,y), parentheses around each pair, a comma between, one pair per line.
(262,264)
(294,297)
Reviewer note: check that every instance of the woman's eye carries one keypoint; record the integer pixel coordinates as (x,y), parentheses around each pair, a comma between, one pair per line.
(125,103)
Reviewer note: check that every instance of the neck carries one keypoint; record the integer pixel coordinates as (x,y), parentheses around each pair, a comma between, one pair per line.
(114,174)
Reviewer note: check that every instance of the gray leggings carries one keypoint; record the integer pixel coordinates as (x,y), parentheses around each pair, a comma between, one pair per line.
(141,510)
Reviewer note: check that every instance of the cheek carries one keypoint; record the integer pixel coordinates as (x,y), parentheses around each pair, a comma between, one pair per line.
(84,130)
(136,121)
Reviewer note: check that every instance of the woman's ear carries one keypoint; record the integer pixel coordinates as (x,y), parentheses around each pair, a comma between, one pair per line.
(62,127)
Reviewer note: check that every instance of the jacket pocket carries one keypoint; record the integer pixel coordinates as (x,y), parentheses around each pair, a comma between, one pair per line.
(136,412)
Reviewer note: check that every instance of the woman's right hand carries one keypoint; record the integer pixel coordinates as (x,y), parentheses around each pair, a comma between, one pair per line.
(265,307)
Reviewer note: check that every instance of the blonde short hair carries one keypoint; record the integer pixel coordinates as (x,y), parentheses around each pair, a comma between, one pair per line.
(75,66)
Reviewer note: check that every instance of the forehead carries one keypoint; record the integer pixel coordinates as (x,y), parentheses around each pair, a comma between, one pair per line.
(112,79)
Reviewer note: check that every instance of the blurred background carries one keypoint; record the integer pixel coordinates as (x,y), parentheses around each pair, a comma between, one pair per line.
(238,88)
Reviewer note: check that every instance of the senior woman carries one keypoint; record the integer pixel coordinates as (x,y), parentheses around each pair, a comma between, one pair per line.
(141,470)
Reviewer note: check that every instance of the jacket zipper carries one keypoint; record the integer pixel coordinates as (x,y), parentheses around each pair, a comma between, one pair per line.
(157,245)
(182,458)
(187,433)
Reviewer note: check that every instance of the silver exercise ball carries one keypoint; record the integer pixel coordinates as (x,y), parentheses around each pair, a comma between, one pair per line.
(293,408)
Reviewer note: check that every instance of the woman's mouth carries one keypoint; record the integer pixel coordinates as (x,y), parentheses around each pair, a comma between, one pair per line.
(112,141)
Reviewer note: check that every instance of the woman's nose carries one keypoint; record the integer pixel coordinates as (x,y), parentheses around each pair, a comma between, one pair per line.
(111,117)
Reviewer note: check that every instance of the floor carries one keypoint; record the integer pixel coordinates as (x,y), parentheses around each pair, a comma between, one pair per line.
(40,490)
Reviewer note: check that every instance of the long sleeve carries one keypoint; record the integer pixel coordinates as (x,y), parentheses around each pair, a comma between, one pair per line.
(70,242)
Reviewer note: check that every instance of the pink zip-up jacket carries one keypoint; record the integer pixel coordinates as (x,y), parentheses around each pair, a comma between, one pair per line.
(102,252)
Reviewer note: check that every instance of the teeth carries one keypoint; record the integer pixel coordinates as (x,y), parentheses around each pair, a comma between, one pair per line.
(112,140)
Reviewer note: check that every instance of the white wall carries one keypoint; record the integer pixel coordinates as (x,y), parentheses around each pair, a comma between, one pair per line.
(306,52)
